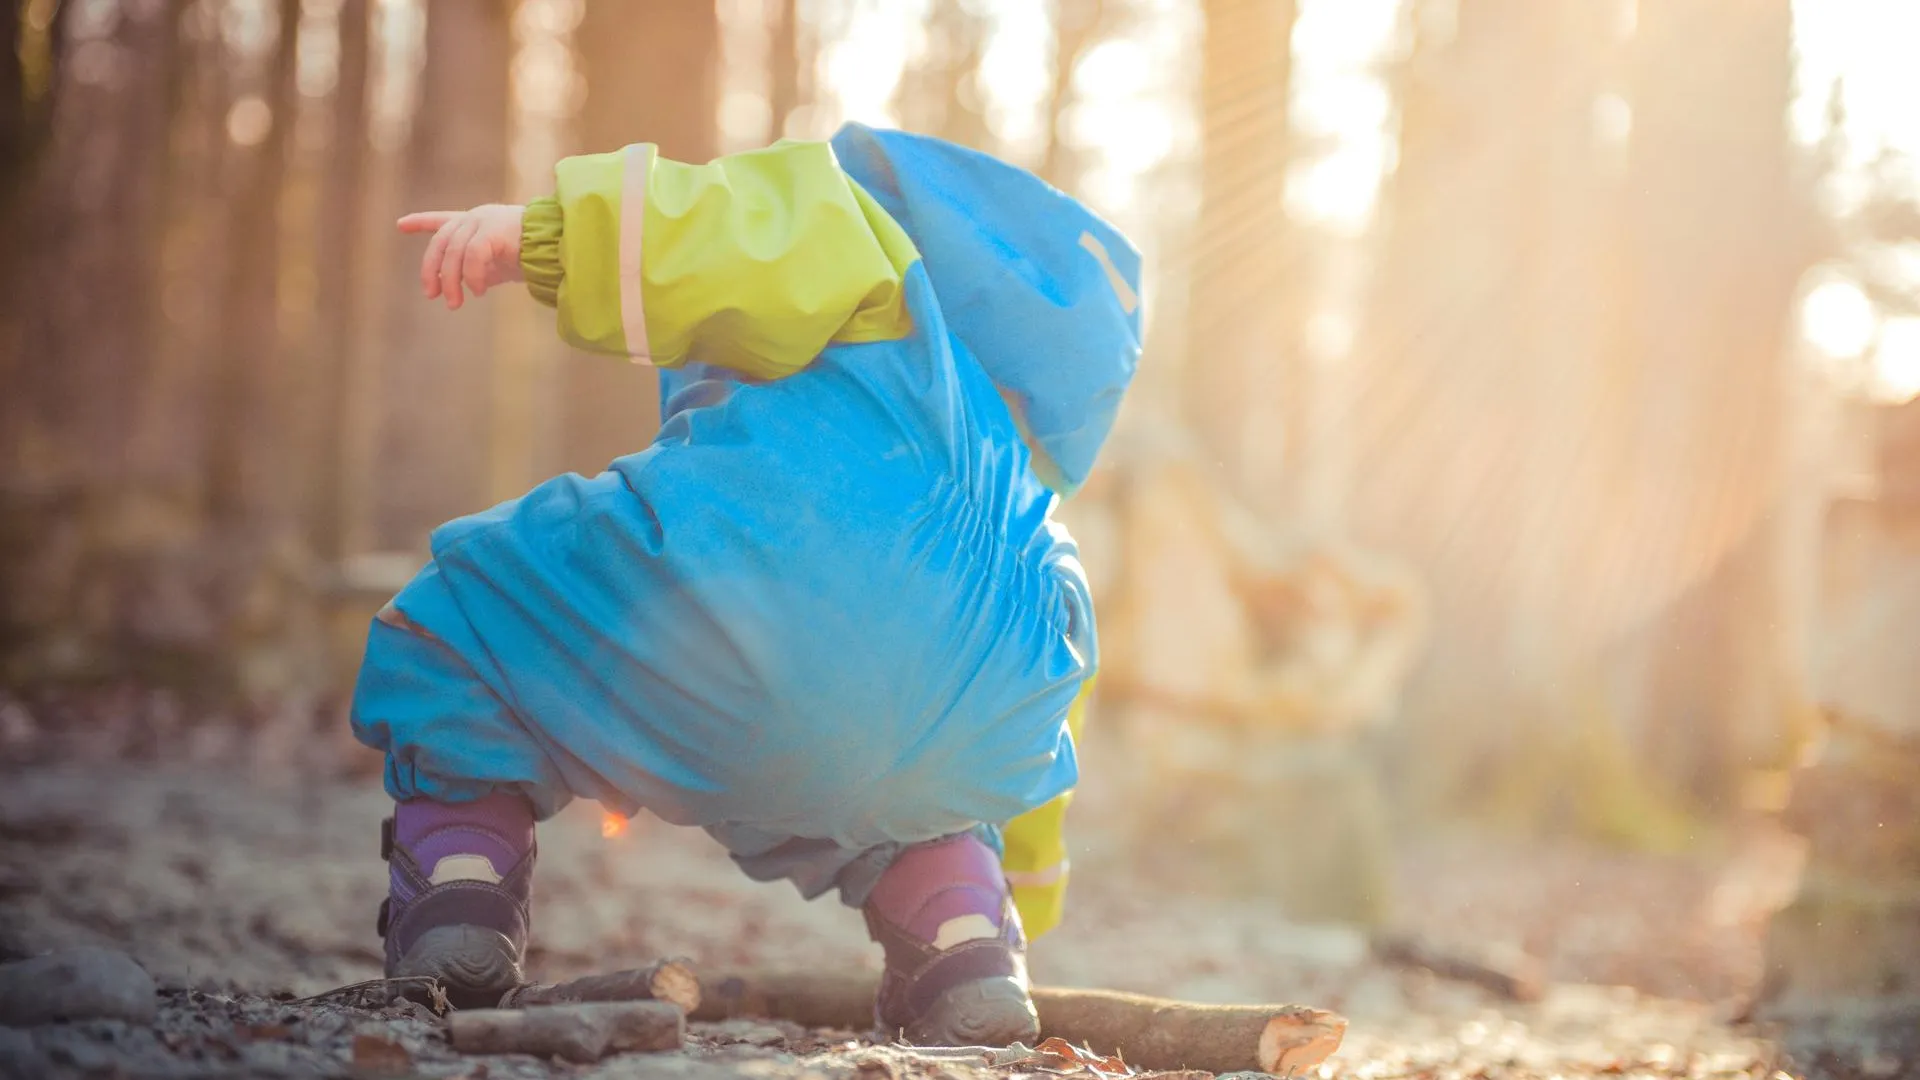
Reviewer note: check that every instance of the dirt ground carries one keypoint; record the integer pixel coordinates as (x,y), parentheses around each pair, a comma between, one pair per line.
(242,888)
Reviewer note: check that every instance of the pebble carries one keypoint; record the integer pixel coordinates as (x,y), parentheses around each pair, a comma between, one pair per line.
(584,1032)
(751,1032)
(76,984)
(18,1055)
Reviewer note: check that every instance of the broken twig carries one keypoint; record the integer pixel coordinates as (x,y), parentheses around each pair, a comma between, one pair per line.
(1148,1033)
(1515,977)
(671,980)
(380,993)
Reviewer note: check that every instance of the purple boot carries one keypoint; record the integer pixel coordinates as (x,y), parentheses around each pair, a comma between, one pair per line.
(460,878)
(956,966)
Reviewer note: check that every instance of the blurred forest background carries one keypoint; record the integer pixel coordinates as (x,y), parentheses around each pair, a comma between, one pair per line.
(1522,440)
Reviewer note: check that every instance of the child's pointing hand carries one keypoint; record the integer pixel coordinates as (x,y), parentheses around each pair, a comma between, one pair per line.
(479,247)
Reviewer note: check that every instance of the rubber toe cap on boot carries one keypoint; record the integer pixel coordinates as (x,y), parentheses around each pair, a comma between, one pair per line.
(981,1012)
(475,965)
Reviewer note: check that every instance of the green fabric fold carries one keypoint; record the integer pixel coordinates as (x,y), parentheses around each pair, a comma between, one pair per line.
(540,249)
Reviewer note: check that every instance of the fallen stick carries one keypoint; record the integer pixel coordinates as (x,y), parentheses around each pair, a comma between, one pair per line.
(584,1032)
(1151,1033)
(1155,1033)
(380,993)
(815,999)
(1516,978)
(671,980)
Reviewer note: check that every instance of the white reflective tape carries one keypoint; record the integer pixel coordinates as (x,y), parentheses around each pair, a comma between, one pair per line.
(965,928)
(1038,879)
(1129,300)
(633,220)
(464,868)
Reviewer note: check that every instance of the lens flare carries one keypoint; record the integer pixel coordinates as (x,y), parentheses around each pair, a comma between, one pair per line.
(612,825)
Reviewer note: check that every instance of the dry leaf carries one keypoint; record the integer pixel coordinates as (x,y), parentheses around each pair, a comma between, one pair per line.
(1059,1057)
(1084,1057)
(379,1055)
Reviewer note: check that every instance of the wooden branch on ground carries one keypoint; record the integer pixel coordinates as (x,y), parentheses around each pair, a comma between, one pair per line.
(1155,1033)
(670,980)
(1150,1033)
(583,1032)
(815,999)
(1516,978)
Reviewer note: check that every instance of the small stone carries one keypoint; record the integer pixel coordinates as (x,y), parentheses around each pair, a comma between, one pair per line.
(1877,1066)
(17,727)
(18,1055)
(580,1033)
(751,1032)
(77,984)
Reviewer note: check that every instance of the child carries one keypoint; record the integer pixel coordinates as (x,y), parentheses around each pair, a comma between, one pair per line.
(826,615)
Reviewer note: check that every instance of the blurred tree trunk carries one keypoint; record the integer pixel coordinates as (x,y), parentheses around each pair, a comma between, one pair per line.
(1471,410)
(1077,26)
(87,298)
(1236,385)
(336,258)
(243,422)
(23,137)
(13,169)
(169,435)
(938,92)
(80,327)
(1718,234)
(15,118)
(789,77)
(652,75)
(432,464)
(1571,403)
(29,76)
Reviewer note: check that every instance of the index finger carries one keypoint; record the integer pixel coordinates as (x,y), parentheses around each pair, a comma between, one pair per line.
(426,221)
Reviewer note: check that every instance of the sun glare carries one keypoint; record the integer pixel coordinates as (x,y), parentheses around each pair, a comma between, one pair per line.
(1896,360)
(1838,319)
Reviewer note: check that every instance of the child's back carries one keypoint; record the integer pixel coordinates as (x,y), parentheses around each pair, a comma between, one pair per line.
(825,614)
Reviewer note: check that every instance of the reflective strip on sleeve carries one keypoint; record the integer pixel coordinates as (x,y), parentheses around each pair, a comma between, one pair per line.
(633,220)
(1038,879)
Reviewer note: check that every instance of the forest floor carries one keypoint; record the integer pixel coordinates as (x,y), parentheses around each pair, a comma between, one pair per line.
(241,888)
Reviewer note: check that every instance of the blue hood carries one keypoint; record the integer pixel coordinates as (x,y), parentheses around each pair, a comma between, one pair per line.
(1043,293)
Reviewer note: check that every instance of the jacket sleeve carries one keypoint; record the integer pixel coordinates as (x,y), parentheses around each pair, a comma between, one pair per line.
(1035,859)
(754,262)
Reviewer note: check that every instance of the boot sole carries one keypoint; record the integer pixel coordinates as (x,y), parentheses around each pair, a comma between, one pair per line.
(475,965)
(983,1012)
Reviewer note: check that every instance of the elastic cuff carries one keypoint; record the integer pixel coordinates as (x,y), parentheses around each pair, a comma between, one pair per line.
(540,230)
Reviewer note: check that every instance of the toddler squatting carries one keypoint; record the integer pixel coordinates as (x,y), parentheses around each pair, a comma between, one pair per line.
(826,615)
